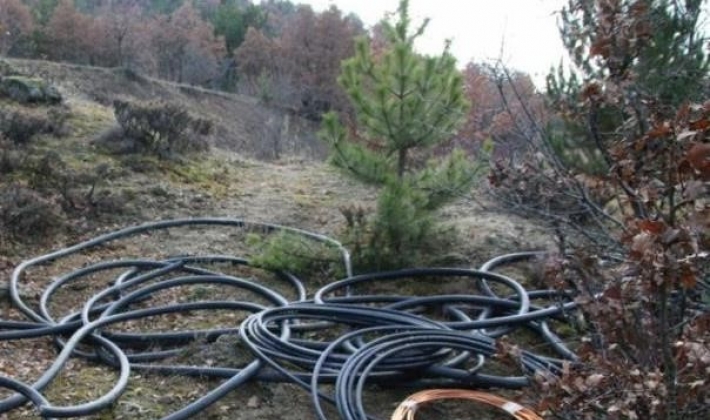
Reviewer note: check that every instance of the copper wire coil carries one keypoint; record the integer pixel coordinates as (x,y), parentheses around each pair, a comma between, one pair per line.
(406,410)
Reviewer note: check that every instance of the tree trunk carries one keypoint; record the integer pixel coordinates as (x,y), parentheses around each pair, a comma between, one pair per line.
(401,163)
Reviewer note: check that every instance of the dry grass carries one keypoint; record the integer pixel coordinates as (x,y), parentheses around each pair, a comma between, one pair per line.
(256,131)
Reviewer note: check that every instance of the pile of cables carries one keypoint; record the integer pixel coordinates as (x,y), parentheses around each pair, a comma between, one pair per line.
(332,341)
(408,408)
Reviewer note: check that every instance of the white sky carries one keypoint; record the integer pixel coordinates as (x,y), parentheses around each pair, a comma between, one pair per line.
(523,33)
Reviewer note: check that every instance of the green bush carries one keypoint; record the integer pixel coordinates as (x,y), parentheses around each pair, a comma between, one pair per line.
(297,254)
(161,128)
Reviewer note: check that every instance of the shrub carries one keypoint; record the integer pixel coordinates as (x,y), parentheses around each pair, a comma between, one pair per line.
(296,254)
(26,216)
(11,159)
(76,192)
(634,100)
(20,125)
(29,90)
(161,128)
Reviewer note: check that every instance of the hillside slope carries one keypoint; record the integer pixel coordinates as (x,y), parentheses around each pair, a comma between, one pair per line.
(239,177)
(243,124)
(264,160)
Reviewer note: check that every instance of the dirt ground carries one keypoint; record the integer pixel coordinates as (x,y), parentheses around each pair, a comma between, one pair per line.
(298,194)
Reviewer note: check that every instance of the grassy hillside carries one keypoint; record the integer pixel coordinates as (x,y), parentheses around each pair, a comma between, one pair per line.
(264,165)
(251,144)
(243,124)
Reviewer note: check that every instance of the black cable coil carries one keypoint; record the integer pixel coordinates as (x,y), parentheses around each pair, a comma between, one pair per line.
(375,338)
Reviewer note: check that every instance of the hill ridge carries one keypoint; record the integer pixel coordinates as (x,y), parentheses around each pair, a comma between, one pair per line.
(243,124)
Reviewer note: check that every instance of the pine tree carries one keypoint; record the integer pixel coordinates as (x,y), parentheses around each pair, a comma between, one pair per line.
(404,104)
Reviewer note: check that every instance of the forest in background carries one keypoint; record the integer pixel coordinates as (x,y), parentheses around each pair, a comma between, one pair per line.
(285,54)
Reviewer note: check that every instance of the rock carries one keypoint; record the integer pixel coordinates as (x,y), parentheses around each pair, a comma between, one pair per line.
(29,90)
(166,399)
(254,402)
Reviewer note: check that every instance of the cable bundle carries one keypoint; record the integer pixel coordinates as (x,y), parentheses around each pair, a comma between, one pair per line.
(408,407)
(329,336)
